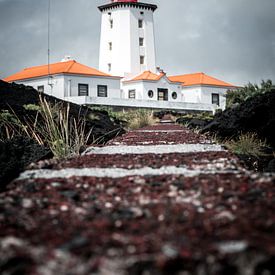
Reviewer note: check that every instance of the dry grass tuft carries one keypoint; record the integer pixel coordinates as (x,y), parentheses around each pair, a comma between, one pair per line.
(246,144)
(139,119)
(52,127)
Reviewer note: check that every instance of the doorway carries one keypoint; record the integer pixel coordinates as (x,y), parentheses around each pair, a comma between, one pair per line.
(163,94)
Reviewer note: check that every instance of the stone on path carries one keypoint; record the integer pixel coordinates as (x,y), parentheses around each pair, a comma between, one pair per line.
(158,200)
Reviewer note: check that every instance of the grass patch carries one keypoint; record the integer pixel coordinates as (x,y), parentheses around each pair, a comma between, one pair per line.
(52,126)
(246,144)
(131,119)
(139,119)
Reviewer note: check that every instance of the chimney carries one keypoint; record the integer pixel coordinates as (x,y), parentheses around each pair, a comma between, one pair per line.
(66,58)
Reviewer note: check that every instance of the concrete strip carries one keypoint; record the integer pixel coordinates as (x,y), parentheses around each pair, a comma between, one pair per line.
(154,149)
(159,131)
(117,172)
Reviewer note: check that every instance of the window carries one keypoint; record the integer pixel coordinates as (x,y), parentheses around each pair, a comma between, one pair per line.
(142,59)
(141,41)
(216,99)
(109,67)
(140,23)
(40,89)
(102,91)
(141,12)
(111,23)
(174,95)
(83,89)
(150,93)
(110,46)
(132,93)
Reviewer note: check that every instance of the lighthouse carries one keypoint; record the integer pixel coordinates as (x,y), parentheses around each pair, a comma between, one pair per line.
(127,43)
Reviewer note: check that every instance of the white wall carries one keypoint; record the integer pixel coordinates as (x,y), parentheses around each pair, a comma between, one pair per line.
(203,94)
(142,88)
(113,85)
(56,90)
(67,85)
(206,95)
(125,54)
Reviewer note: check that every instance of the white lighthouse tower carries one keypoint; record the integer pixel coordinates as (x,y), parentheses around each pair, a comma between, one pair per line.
(127,44)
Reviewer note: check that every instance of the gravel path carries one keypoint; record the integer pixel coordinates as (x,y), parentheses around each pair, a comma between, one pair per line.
(158,200)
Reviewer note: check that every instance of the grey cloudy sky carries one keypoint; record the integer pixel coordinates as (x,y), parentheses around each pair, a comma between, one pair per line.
(233,40)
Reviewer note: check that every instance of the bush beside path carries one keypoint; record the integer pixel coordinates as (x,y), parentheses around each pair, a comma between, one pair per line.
(158,200)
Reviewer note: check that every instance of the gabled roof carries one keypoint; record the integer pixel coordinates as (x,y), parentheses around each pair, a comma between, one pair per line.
(147,75)
(198,79)
(67,67)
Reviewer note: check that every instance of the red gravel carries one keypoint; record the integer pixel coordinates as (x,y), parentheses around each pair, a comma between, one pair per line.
(133,161)
(145,138)
(208,224)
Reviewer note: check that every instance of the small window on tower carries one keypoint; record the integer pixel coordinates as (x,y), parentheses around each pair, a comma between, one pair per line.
(40,89)
(110,46)
(140,23)
(141,12)
(109,67)
(142,59)
(141,41)
(111,23)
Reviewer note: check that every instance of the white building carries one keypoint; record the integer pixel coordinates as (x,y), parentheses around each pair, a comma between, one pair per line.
(127,75)
(69,79)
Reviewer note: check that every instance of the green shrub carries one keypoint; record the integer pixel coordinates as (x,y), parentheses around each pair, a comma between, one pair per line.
(32,107)
(242,94)
(9,125)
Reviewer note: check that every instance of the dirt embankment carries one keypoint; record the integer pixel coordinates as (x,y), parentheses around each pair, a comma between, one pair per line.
(19,152)
(256,115)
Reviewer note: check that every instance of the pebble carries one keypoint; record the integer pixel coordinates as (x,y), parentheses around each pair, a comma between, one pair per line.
(232,247)
(108,205)
(225,215)
(169,251)
(27,203)
(64,208)
(55,184)
(161,218)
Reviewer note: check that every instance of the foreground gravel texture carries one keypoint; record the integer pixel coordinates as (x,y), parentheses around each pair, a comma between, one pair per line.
(213,217)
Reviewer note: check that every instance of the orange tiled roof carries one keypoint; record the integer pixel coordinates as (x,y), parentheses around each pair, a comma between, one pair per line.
(67,67)
(148,75)
(198,79)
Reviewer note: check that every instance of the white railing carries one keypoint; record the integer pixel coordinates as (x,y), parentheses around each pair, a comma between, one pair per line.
(135,103)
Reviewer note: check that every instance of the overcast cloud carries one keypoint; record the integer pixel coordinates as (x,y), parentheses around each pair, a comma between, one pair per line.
(233,40)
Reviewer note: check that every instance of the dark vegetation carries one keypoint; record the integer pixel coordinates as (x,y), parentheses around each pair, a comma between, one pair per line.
(19,106)
(246,126)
